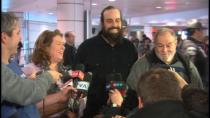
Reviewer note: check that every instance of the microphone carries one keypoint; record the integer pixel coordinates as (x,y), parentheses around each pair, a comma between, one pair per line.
(82,87)
(115,81)
(67,73)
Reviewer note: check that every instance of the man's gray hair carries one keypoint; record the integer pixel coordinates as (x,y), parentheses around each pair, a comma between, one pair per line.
(8,22)
(163,31)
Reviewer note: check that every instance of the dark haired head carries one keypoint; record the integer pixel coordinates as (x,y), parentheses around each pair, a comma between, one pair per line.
(106,9)
(111,21)
(158,84)
(196,100)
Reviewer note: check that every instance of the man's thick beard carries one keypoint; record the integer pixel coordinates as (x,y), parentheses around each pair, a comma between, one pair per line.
(114,38)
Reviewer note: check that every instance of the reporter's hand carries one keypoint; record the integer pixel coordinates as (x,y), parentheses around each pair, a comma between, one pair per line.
(116,97)
(32,76)
(55,74)
(181,81)
(71,114)
(65,93)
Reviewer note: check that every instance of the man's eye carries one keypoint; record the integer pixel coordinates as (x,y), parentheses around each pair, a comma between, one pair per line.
(159,45)
(118,20)
(109,21)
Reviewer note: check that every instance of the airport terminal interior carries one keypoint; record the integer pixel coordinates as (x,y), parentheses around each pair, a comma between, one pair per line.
(83,17)
(140,22)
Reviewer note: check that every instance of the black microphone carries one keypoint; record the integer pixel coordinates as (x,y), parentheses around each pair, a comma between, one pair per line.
(80,67)
(115,81)
(68,72)
(69,76)
(83,85)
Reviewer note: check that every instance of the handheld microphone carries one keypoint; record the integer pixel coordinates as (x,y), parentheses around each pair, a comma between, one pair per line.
(78,72)
(115,81)
(67,73)
(83,85)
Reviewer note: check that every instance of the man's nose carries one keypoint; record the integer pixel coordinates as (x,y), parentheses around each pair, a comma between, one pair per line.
(114,24)
(164,48)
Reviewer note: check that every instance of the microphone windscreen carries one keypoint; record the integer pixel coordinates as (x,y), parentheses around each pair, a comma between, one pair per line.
(88,76)
(80,67)
(115,81)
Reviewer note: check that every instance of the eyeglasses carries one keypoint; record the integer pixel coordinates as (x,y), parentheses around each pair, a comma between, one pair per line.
(168,46)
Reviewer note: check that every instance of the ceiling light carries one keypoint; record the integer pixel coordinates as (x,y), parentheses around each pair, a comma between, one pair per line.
(158,7)
(112,0)
(50,13)
(170,2)
(94,4)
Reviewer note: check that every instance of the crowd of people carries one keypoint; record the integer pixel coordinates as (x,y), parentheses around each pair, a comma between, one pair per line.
(168,80)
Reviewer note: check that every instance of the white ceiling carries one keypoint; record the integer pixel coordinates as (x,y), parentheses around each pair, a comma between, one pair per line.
(130,8)
(133,8)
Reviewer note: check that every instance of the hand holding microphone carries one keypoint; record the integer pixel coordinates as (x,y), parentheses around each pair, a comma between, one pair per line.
(71,75)
(82,87)
(115,98)
(115,81)
(116,89)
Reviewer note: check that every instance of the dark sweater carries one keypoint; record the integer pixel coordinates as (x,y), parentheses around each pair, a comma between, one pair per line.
(162,109)
(104,60)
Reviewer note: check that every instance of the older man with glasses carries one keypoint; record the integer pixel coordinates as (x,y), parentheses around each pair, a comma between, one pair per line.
(163,55)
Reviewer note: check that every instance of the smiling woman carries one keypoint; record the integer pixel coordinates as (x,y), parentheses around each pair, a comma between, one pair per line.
(48,55)
(49,49)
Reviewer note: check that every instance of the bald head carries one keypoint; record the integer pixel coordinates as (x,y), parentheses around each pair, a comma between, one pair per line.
(70,37)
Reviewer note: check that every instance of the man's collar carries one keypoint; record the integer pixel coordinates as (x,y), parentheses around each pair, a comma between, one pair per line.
(107,41)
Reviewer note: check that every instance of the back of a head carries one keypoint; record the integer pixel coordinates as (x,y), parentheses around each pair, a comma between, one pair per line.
(69,34)
(157,85)
(8,22)
(196,100)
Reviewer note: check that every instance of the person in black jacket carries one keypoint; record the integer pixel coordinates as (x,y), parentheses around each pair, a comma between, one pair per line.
(70,50)
(196,101)
(106,55)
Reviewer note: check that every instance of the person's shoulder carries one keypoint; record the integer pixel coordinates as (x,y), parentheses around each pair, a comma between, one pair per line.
(142,61)
(3,66)
(127,41)
(91,40)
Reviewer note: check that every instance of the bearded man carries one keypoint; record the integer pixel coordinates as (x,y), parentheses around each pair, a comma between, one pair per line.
(106,55)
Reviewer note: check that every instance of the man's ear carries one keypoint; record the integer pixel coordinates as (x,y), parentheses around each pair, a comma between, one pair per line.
(4,37)
(141,104)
